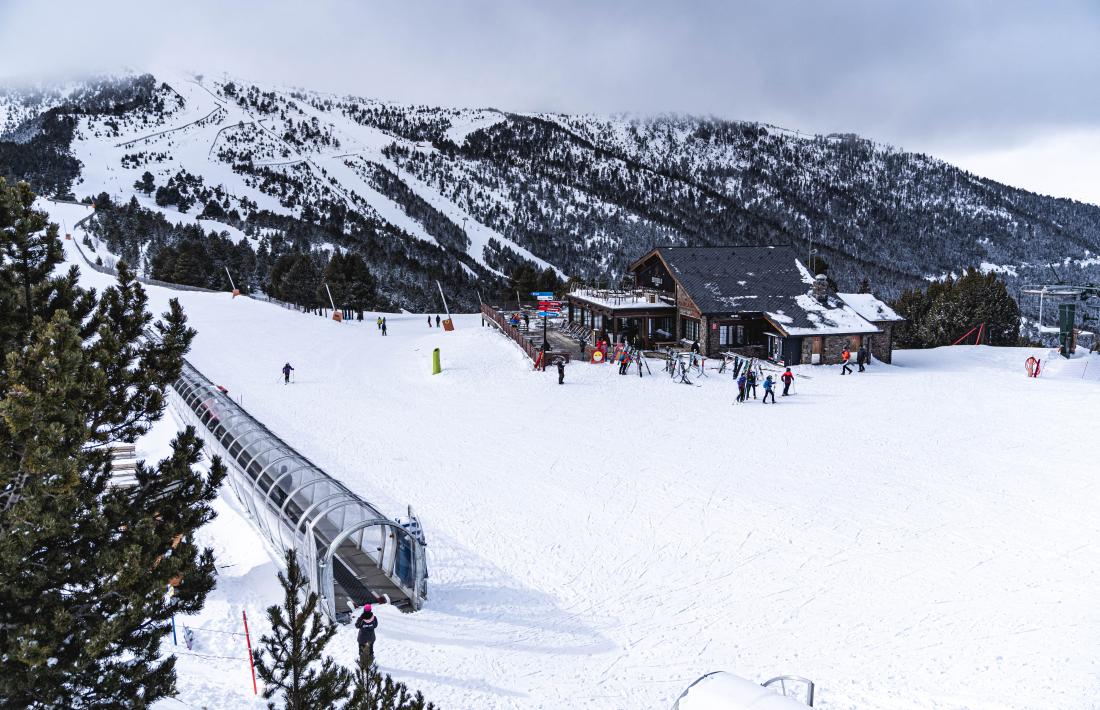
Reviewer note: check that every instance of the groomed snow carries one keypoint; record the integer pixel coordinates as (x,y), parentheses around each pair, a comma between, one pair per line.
(919,535)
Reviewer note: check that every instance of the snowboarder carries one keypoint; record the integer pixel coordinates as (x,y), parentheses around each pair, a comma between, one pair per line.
(383,326)
(845,356)
(287,369)
(366,623)
(788,378)
(750,383)
(861,357)
(437,321)
(741,388)
(560,362)
(769,388)
(429,321)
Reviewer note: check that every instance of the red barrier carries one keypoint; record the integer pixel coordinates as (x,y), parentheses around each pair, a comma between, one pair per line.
(248,642)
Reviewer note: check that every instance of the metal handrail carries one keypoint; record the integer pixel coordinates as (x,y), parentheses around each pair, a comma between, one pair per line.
(782,681)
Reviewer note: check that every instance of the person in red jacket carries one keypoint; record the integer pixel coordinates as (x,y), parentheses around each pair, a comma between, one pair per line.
(844,358)
(788,378)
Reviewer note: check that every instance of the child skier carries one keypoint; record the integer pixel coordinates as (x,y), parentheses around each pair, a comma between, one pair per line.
(287,369)
(366,624)
(769,388)
(788,378)
(741,381)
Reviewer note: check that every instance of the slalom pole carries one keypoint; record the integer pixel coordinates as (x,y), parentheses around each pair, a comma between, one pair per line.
(248,642)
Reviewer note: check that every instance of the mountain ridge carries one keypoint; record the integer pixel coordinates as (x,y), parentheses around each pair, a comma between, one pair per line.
(471,195)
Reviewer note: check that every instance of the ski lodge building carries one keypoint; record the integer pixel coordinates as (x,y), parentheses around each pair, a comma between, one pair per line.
(758,301)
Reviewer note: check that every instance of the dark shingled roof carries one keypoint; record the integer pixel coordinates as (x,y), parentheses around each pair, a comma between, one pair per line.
(768,279)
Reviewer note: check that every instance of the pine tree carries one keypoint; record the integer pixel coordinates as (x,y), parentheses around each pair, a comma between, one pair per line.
(374,691)
(299,634)
(84,567)
(146,184)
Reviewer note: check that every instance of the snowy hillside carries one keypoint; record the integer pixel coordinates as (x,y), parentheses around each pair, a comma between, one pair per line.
(915,536)
(470,195)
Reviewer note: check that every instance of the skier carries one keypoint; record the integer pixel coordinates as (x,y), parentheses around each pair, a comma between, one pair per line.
(845,356)
(437,321)
(769,388)
(560,362)
(429,321)
(379,322)
(741,388)
(788,378)
(750,384)
(287,369)
(861,357)
(383,326)
(366,623)
(580,343)
(624,362)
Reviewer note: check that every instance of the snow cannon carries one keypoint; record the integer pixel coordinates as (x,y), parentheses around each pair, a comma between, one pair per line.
(725,691)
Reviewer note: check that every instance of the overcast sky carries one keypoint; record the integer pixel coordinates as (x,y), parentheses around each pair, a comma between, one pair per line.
(1007,89)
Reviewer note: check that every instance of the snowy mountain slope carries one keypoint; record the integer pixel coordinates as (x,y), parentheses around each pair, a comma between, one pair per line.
(470,195)
(914,536)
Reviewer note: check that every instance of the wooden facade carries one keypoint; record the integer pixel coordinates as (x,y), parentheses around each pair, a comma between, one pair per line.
(701,296)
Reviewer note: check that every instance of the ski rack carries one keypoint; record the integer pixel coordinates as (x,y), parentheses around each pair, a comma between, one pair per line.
(352,553)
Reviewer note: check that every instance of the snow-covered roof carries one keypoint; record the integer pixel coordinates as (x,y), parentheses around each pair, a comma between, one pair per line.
(761,279)
(869,307)
(627,300)
(833,317)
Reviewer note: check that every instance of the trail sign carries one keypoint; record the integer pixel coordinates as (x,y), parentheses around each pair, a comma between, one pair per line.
(550,305)
(543,295)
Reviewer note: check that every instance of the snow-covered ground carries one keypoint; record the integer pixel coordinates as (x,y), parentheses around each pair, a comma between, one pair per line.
(919,535)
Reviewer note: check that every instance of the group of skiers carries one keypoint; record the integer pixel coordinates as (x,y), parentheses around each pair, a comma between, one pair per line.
(746,385)
(862,358)
(437,321)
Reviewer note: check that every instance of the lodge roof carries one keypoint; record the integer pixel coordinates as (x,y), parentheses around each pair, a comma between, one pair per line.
(762,279)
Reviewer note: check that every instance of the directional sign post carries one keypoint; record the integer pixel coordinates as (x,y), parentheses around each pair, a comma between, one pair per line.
(546,298)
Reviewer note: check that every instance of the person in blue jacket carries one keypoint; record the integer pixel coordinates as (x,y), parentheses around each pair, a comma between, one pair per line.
(769,388)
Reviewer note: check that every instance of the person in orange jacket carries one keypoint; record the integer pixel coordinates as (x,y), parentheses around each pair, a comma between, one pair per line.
(844,358)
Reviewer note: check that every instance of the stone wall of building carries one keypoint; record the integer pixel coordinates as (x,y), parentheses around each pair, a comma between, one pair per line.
(831,347)
(882,344)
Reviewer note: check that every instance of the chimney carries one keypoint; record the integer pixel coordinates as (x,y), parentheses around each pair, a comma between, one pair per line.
(821,288)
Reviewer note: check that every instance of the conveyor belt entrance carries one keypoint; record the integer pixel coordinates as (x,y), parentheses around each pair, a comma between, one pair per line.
(351,551)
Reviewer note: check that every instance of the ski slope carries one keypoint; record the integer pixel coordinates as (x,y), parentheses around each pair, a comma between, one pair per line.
(919,535)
